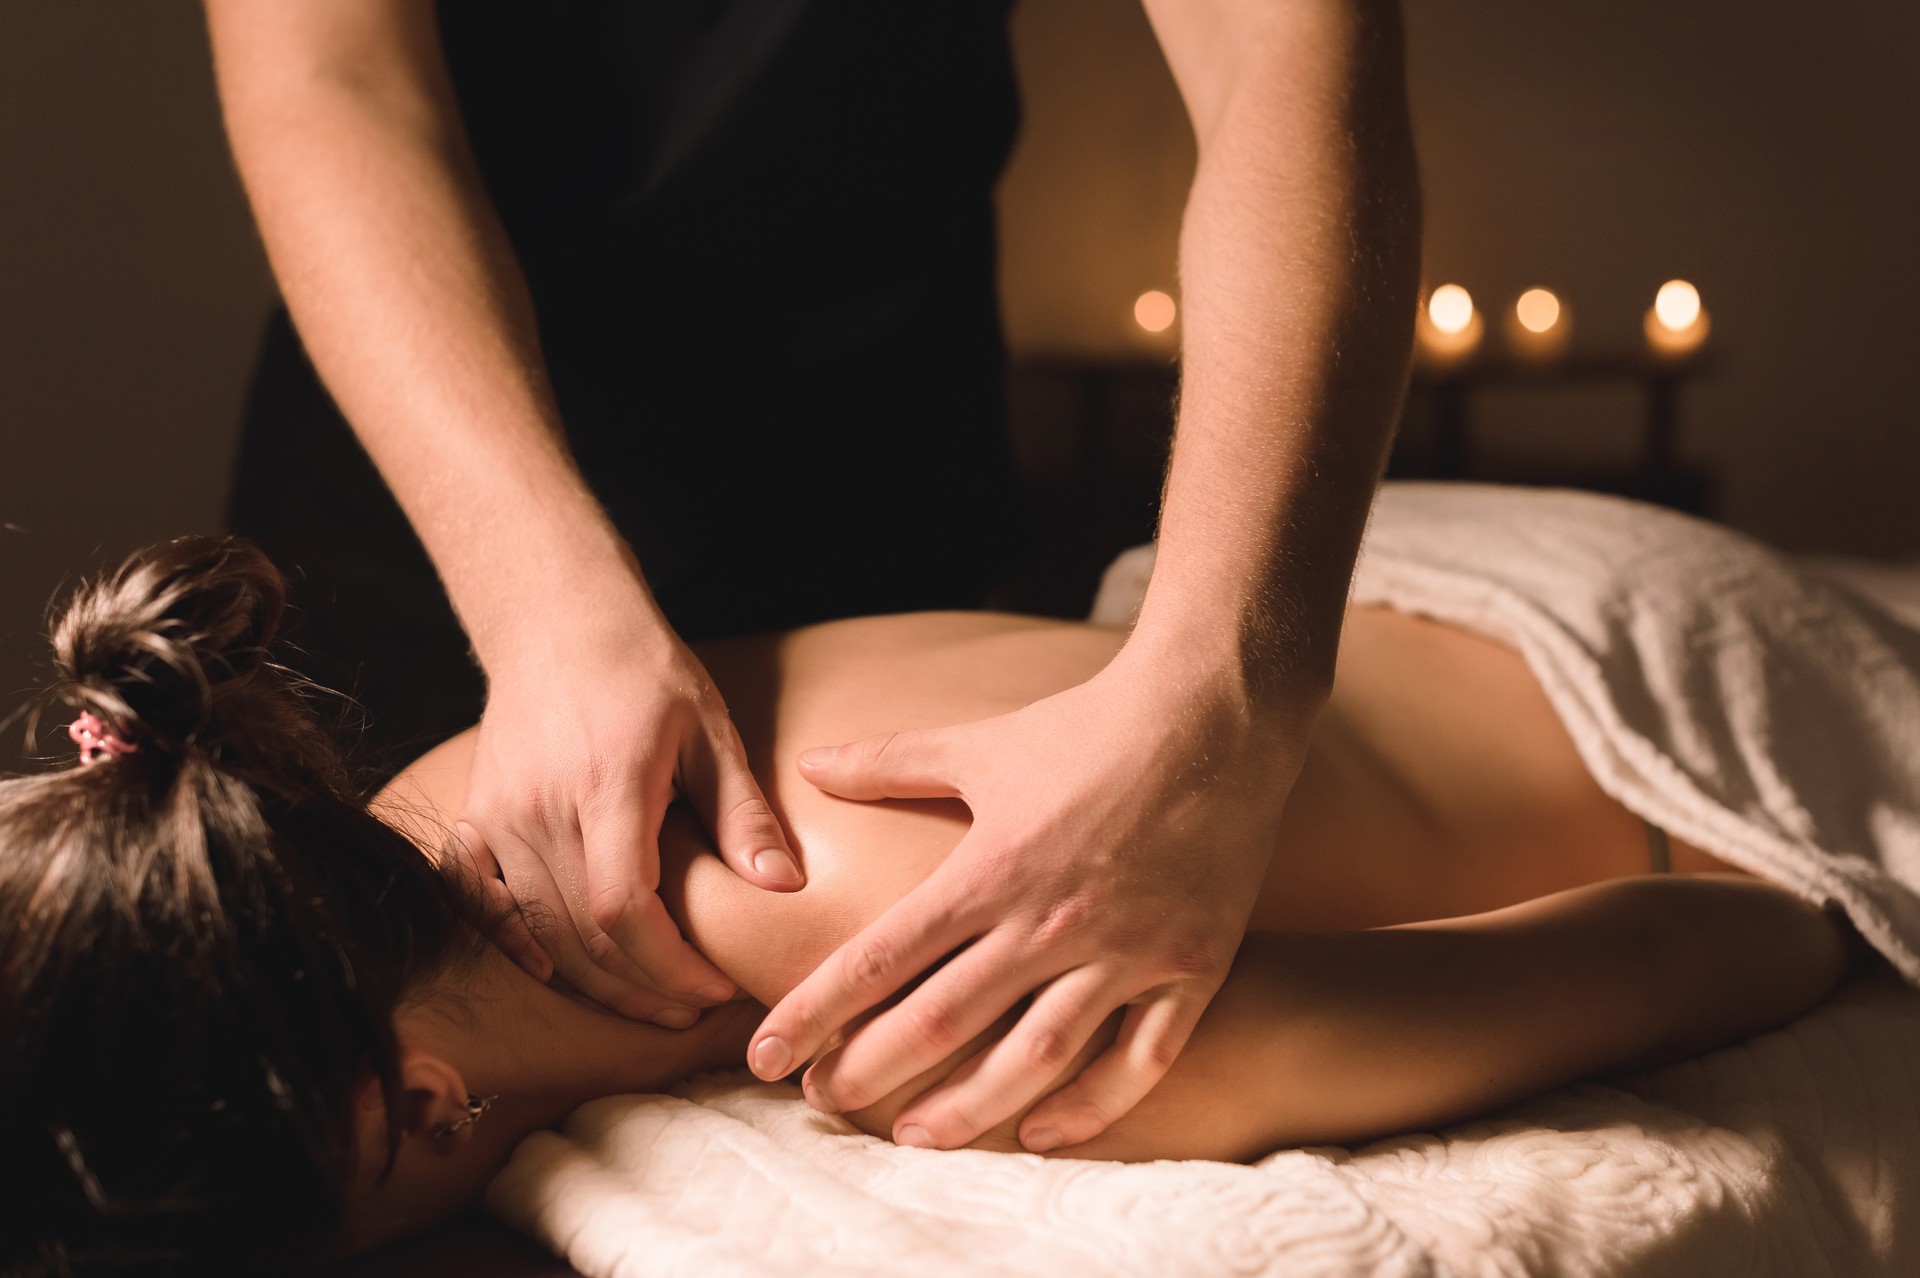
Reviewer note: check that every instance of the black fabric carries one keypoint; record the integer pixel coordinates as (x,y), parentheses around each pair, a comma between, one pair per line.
(760,241)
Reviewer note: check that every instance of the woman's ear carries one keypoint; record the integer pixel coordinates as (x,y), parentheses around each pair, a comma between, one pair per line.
(433,1098)
(424,1184)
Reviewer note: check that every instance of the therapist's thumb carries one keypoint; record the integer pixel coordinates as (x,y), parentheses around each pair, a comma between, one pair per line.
(893,765)
(744,828)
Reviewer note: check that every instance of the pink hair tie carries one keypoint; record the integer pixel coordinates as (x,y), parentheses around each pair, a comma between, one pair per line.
(96,740)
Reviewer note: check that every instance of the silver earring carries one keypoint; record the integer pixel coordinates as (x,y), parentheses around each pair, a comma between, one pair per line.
(476,1106)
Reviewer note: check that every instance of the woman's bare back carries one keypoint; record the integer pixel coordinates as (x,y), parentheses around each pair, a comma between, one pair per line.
(1438,783)
(1440,793)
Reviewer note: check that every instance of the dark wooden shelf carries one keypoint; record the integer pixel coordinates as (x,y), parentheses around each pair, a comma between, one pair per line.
(1655,473)
(1574,368)
(1091,438)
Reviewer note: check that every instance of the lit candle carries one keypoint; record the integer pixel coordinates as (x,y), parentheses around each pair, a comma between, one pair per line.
(1154,311)
(1676,323)
(1539,325)
(1448,327)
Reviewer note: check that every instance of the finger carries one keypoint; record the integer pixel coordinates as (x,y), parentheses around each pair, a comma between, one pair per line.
(893,765)
(736,813)
(919,929)
(1003,1080)
(952,1006)
(509,931)
(466,854)
(554,930)
(1151,1036)
(572,909)
(626,916)
(647,933)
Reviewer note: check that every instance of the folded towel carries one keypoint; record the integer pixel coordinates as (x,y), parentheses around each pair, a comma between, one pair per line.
(1713,689)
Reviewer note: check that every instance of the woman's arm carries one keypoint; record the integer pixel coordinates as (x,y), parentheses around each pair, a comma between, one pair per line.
(1340,1037)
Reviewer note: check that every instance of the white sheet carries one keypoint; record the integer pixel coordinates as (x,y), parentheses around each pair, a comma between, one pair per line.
(1784,733)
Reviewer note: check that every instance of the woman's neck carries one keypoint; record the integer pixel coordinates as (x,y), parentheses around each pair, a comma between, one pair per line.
(537,1054)
(552,1051)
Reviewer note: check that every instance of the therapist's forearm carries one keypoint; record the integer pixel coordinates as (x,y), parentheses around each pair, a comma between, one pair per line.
(416,315)
(1299,267)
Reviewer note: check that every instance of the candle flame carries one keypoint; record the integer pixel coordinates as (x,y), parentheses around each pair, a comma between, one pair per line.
(1450,308)
(1677,304)
(1154,311)
(1537,310)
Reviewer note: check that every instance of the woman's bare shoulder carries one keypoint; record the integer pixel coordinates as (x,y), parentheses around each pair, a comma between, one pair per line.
(423,801)
(757,673)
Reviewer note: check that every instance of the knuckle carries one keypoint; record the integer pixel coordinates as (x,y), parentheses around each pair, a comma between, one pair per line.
(1129,935)
(843,1094)
(1196,958)
(828,1087)
(1046,1048)
(956,1123)
(1087,1114)
(597,772)
(1159,1054)
(700,695)
(537,808)
(871,963)
(934,1025)
(888,748)
(609,909)
(804,1024)
(1064,921)
(600,948)
(1098,1116)
(610,791)
(752,814)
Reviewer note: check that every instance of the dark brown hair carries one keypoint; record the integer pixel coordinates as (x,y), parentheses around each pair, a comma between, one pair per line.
(202,943)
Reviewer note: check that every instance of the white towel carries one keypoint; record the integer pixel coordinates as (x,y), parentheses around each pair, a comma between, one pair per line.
(1711,688)
(1791,1156)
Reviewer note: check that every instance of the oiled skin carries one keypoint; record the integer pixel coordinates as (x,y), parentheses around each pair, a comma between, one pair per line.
(1438,785)
(1438,782)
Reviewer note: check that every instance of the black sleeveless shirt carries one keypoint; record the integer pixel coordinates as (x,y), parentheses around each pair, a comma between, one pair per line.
(760,241)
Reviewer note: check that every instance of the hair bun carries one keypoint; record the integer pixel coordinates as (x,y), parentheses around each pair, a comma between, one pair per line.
(170,644)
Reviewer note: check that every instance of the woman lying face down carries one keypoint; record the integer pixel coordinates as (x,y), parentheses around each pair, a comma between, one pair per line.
(246,1020)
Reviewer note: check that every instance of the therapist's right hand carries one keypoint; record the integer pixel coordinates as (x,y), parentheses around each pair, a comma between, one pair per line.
(584,743)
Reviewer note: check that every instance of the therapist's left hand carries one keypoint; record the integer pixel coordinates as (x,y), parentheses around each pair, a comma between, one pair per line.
(1121,832)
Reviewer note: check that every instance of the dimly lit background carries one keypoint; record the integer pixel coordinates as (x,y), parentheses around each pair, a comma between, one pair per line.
(1598,147)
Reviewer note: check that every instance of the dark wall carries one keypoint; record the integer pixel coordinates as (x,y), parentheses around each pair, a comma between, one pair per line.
(131,287)
(1766,153)
(1598,146)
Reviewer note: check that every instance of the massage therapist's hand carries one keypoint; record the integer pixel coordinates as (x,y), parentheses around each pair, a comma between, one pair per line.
(1121,831)
(581,749)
